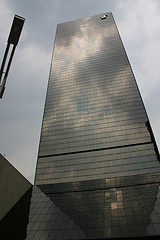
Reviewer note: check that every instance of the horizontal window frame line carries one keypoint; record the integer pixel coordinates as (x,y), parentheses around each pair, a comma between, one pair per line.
(98,188)
(92,162)
(94,150)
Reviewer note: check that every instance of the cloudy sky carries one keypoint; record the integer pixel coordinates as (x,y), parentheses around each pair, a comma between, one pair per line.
(21,108)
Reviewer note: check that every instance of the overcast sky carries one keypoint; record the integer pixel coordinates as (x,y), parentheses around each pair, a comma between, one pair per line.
(21,108)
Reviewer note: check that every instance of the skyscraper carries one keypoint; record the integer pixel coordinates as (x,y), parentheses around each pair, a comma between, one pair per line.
(98,164)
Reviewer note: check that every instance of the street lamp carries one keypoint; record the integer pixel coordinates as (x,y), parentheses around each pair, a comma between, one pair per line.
(13,39)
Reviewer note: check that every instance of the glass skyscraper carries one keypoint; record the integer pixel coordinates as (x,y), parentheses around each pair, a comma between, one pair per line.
(98,165)
(95,124)
(98,170)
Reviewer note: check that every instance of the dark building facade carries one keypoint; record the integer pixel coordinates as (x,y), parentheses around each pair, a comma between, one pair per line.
(98,168)
(15,196)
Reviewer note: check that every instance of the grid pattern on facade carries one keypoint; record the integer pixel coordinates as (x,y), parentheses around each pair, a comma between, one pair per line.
(92,106)
(97,174)
(98,171)
(101,164)
(92,100)
(108,208)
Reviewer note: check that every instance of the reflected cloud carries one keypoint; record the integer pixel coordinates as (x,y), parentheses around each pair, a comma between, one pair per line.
(114,212)
(92,100)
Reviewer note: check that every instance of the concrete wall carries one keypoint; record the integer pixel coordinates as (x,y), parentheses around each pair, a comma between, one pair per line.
(12,186)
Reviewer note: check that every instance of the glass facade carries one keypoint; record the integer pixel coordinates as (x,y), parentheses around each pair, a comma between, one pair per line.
(99,164)
(98,171)
(94,124)
(96,209)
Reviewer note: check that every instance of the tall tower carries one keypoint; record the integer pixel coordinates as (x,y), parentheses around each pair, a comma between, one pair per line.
(98,165)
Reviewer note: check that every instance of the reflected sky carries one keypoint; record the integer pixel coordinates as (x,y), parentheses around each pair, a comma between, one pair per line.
(92,102)
(91,87)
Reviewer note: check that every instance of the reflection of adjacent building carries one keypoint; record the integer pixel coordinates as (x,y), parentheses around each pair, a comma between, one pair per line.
(97,173)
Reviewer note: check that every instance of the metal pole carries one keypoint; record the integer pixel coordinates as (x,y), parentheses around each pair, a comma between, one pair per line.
(10,60)
(4,60)
(2,86)
(13,38)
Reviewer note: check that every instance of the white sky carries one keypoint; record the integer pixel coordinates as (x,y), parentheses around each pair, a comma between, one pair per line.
(21,108)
